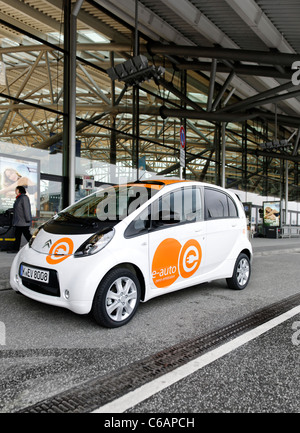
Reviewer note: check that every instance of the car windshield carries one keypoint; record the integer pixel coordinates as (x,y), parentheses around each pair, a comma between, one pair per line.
(109,203)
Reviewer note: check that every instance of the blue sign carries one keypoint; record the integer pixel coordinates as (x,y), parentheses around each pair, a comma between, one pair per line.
(182,137)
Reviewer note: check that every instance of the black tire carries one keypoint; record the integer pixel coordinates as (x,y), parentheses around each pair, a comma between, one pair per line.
(117,298)
(241,273)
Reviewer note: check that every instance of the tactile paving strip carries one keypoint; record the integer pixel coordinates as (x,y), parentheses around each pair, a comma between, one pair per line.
(96,392)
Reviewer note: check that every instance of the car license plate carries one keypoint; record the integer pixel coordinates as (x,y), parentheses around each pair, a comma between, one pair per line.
(34,274)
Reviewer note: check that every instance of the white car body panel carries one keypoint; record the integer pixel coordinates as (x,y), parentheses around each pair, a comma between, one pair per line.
(168,259)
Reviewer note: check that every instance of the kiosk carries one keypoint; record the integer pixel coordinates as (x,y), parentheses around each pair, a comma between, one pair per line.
(272,218)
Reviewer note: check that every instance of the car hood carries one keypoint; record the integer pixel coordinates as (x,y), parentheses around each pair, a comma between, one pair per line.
(58,244)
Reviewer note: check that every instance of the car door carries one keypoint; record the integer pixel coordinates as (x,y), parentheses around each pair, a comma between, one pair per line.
(223,227)
(176,239)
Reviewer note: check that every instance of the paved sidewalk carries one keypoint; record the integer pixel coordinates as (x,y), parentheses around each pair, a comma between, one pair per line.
(5,263)
(261,246)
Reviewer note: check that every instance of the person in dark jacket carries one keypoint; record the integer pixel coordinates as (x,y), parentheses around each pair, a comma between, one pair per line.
(22,218)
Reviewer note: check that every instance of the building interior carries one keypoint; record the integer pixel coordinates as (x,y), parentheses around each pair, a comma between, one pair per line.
(110,91)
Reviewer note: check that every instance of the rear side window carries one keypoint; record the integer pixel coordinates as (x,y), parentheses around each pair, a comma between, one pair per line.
(232,208)
(218,204)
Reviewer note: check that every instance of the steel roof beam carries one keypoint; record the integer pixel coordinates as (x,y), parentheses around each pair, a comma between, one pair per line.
(169,86)
(211,84)
(204,115)
(273,99)
(254,17)
(227,117)
(246,102)
(199,22)
(264,57)
(33,13)
(92,22)
(260,24)
(239,69)
(296,144)
(150,24)
(222,90)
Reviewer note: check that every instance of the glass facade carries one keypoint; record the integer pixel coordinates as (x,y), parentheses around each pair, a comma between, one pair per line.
(118,134)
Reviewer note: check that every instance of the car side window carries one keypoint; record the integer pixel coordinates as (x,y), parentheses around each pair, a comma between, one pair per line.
(218,205)
(139,225)
(178,207)
(233,212)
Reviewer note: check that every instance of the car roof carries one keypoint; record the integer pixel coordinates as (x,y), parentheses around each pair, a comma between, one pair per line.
(160,183)
(154,184)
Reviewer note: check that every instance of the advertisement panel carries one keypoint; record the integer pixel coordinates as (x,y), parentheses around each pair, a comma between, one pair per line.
(16,171)
(271,213)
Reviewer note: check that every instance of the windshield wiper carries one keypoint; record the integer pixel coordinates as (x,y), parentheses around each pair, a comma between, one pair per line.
(78,220)
(69,216)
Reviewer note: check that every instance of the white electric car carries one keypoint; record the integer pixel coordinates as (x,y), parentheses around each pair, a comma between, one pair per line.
(130,243)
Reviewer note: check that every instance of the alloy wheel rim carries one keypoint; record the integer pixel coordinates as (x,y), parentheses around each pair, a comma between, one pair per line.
(121,299)
(243,272)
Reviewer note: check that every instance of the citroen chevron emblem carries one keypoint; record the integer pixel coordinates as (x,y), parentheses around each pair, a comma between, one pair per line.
(48,244)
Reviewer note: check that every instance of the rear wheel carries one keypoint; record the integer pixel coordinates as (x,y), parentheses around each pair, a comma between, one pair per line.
(241,273)
(117,298)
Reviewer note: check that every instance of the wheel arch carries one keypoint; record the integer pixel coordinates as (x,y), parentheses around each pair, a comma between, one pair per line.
(136,270)
(247,252)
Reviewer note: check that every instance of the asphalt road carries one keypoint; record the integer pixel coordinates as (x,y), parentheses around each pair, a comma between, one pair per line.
(48,349)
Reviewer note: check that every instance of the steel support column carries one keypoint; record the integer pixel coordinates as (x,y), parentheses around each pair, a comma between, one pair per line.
(183,120)
(66,119)
(113,138)
(223,182)
(244,156)
(217,144)
(286,191)
(296,179)
(135,104)
(72,99)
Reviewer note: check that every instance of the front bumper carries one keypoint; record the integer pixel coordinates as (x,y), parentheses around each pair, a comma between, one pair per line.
(75,291)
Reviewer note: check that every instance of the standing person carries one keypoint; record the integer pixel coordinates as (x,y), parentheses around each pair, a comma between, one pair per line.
(22,217)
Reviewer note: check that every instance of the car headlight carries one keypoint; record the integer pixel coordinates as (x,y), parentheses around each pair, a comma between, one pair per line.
(95,243)
(34,234)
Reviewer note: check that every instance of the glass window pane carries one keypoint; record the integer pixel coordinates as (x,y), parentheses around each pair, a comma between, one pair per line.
(51,195)
(216,205)
(232,207)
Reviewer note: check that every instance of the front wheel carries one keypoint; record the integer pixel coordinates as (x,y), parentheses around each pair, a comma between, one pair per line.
(117,298)
(241,273)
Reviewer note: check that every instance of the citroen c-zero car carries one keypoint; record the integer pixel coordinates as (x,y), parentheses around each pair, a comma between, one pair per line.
(129,243)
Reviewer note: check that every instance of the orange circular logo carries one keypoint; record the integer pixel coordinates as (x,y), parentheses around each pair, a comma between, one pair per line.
(165,263)
(190,258)
(171,261)
(60,251)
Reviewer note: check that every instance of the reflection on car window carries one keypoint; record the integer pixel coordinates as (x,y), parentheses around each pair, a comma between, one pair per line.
(178,207)
(110,203)
(232,208)
(218,204)
(139,225)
